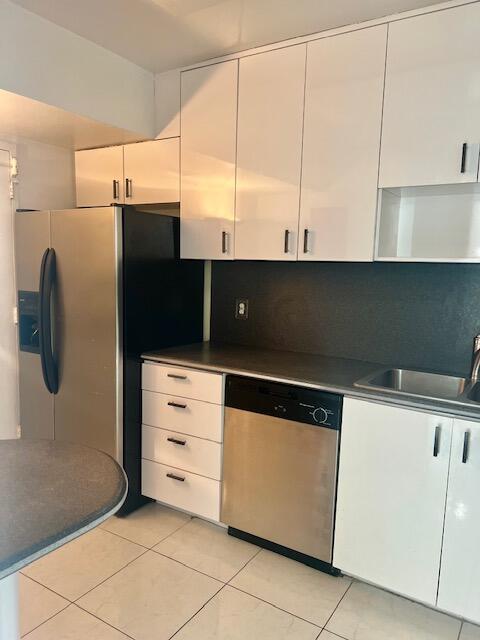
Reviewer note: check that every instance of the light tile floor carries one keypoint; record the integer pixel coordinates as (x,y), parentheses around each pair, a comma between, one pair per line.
(159,574)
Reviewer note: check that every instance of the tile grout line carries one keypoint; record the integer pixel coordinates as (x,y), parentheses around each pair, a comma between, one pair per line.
(74,604)
(25,635)
(146,549)
(155,543)
(338,604)
(214,595)
(275,606)
(110,576)
(197,612)
(331,633)
(247,563)
(187,566)
(48,588)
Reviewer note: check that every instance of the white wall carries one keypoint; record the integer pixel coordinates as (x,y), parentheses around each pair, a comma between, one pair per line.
(8,334)
(46,176)
(43,61)
(167,104)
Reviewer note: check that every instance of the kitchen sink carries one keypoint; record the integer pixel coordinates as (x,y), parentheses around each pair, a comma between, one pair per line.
(419,383)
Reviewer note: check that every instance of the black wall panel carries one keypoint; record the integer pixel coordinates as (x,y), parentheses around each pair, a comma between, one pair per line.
(410,315)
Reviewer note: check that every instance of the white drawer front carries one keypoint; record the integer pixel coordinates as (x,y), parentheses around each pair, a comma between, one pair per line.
(193,417)
(185,452)
(196,494)
(187,383)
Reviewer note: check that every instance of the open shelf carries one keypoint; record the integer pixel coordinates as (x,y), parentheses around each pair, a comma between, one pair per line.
(429,224)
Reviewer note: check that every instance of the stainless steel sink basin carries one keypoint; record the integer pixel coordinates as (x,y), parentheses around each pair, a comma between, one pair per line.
(417,383)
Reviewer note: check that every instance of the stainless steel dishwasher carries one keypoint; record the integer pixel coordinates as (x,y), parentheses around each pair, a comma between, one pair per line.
(280,467)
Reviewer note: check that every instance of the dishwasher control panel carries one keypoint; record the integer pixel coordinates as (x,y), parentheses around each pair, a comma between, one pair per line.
(290,402)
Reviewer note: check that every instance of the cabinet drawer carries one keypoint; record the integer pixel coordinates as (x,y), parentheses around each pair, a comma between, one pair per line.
(193,417)
(185,452)
(188,383)
(196,494)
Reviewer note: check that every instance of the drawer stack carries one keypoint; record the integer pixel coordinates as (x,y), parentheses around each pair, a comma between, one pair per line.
(182,435)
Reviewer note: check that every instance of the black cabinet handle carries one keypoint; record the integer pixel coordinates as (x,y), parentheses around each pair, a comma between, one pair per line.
(177,405)
(305,240)
(176,376)
(128,187)
(286,241)
(436,442)
(116,189)
(174,477)
(177,441)
(466,447)
(464,158)
(48,273)
(224,242)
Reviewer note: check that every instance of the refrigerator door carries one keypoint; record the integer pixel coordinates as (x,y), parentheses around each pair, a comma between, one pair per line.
(32,239)
(88,405)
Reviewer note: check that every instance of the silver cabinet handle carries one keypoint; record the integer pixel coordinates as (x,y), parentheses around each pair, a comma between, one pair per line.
(177,441)
(128,187)
(463,164)
(174,477)
(177,405)
(224,242)
(286,241)
(306,233)
(466,447)
(175,376)
(116,189)
(436,441)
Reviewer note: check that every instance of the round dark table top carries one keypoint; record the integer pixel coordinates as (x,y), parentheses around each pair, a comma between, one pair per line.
(50,493)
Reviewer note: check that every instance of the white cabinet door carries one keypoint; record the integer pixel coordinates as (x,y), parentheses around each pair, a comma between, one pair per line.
(209,135)
(459,590)
(99,176)
(152,171)
(270,118)
(341,141)
(391,497)
(432,101)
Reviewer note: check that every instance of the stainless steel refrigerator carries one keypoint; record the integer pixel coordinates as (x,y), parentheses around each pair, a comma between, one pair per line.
(96,288)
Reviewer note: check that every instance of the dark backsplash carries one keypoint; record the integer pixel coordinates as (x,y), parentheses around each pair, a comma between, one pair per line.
(409,315)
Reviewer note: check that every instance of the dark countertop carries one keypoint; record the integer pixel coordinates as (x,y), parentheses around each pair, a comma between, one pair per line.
(50,493)
(316,371)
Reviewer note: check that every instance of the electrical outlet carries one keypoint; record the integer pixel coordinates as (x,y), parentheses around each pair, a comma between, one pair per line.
(241,308)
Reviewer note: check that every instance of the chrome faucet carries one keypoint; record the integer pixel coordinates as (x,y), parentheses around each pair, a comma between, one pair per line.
(476,359)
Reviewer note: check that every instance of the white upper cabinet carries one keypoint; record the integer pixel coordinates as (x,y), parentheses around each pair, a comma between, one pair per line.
(392,487)
(99,176)
(459,590)
(209,136)
(152,171)
(431,118)
(269,148)
(341,141)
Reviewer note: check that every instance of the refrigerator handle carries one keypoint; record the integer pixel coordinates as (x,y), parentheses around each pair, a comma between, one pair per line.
(47,280)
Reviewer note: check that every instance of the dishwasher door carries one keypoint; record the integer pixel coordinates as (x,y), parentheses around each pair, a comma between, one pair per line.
(279,481)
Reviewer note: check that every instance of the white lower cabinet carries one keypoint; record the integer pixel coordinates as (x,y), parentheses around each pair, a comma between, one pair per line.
(182,436)
(392,486)
(181,489)
(185,452)
(459,589)
(184,415)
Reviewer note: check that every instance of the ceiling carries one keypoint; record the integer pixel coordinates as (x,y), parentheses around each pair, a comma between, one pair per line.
(23,118)
(164,34)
